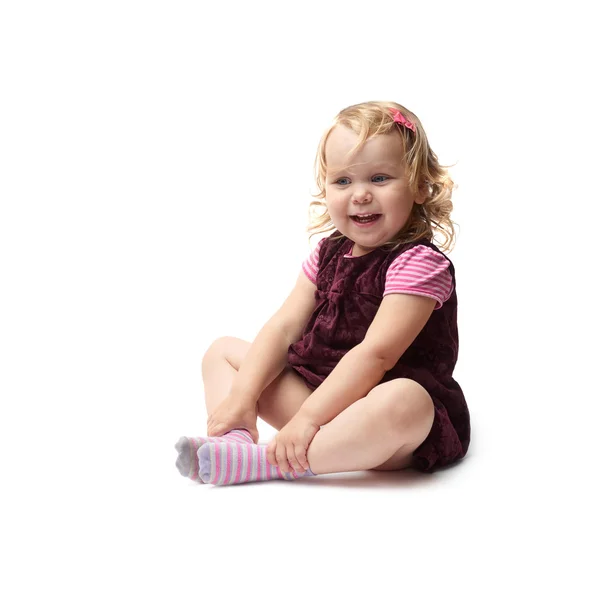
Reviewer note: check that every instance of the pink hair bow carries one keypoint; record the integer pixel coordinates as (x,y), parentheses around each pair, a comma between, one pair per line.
(400,118)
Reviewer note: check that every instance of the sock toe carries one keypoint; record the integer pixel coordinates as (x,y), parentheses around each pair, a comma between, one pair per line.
(184,460)
(204,462)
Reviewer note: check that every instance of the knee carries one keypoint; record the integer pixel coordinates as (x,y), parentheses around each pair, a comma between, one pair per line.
(217,349)
(408,405)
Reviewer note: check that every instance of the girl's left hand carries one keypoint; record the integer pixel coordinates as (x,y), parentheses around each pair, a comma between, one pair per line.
(290,445)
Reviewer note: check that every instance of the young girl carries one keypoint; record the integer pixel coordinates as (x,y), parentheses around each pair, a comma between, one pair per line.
(355,368)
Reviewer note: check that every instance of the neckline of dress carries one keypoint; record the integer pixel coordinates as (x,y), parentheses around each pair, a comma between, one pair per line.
(348,251)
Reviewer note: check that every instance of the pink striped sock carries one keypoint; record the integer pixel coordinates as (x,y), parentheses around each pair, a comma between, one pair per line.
(231,462)
(187,447)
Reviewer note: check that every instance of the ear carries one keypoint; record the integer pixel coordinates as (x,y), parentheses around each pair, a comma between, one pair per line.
(424,192)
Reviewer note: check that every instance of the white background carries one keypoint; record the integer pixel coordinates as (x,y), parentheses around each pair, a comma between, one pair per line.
(155,175)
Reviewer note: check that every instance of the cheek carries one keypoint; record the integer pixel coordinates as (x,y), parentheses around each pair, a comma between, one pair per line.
(338,209)
(334,202)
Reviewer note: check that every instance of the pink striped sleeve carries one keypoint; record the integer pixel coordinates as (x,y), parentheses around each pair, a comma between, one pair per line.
(421,271)
(311,265)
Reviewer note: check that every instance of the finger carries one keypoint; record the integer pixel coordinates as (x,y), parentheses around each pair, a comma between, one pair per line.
(301,457)
(293,459)
(282,460)
(271,452)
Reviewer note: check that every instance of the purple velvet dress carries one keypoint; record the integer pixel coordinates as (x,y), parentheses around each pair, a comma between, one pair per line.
(349,292)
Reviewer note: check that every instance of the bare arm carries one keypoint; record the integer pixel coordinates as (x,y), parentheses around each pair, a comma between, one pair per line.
(267,356)
(357,373)
(397,323)
(264,361)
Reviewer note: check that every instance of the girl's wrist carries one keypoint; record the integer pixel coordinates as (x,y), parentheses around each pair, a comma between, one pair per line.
(308,416)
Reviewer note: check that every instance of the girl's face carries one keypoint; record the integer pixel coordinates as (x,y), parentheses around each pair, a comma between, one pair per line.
(372,182)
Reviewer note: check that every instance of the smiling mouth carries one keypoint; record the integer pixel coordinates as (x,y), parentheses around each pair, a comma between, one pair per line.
(369,219)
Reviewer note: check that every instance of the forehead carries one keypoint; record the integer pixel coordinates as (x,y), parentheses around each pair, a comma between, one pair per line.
(378,149)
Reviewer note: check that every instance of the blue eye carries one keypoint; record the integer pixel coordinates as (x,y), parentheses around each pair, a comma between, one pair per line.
(340,181)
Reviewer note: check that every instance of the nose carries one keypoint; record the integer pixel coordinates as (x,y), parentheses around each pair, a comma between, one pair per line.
(361,194)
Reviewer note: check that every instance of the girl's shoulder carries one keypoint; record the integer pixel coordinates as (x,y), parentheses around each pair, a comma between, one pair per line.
(420,268)
(422,248)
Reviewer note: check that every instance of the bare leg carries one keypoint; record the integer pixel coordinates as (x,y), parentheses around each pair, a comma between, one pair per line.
(380,430)
(218,372)
(278,403)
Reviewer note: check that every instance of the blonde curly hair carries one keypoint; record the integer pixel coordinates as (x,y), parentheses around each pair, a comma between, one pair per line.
(425,173)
